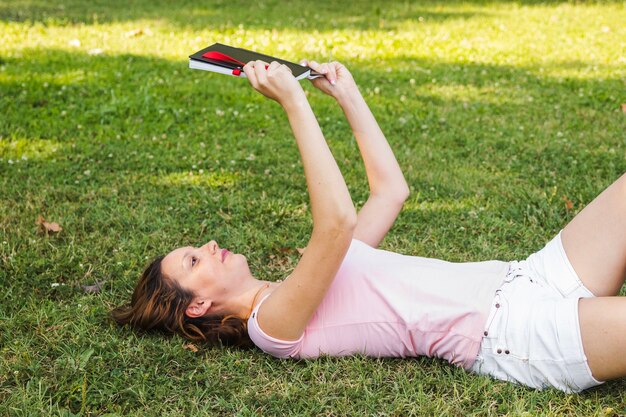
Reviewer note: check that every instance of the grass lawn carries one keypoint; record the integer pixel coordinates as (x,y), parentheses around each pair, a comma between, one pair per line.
(505,117)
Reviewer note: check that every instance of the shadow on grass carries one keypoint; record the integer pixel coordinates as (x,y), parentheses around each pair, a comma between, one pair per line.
(222,14)
(133,101)
(225,14)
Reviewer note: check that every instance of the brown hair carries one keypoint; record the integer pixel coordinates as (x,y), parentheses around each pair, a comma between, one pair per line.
(159,304)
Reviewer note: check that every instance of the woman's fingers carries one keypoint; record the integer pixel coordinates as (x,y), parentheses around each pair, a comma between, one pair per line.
(261,71)
(327,69)
(317,67)
(257,67)
(273,80)
(274,65)
(336,78)
(248,69)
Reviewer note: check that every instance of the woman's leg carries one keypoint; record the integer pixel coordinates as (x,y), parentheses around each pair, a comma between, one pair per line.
(595,241)
(603,330)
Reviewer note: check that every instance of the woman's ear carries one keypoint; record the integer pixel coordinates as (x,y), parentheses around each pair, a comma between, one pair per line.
(198,308)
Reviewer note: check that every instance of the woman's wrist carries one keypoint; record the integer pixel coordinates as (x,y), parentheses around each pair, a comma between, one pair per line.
(294,101)
(347,95)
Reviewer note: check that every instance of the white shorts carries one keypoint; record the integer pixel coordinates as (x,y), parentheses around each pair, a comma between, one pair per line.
(532,335)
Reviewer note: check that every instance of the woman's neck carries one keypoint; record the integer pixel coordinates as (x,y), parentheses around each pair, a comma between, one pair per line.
(243,305)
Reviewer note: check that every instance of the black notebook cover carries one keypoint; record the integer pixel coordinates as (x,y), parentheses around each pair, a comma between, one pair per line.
(243,56)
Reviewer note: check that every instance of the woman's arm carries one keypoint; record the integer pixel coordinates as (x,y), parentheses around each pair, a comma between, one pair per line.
(383,172)
(289,308)
(388,188)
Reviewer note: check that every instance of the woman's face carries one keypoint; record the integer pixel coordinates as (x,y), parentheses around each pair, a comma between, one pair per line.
(209,271)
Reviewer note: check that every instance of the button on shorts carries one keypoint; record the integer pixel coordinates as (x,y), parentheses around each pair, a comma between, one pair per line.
(532,335)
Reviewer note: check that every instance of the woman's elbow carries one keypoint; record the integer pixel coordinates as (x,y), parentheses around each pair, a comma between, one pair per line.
(347,220)
(397,195)
(343,222)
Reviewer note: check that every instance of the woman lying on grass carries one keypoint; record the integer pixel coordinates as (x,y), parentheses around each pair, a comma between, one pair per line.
(550,320)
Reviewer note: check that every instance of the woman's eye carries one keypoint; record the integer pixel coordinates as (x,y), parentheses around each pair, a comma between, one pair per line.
(194,260)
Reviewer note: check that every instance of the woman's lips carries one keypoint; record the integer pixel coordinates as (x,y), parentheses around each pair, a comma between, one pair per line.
(224,253)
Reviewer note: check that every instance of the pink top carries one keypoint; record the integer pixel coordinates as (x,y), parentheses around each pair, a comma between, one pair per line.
(385,304)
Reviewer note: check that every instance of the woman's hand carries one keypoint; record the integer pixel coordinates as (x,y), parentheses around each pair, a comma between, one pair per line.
(274,81)
(337,80)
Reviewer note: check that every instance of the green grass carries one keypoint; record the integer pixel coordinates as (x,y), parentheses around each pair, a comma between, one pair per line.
(496,111)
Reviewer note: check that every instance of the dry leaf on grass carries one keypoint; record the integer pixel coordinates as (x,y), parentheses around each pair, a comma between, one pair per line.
(47,227)
(301,250)
(568,203)
(191,347)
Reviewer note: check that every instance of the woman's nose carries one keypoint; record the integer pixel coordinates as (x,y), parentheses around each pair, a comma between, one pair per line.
(211,247)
